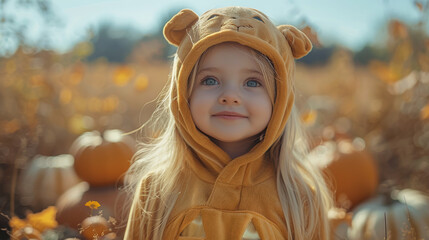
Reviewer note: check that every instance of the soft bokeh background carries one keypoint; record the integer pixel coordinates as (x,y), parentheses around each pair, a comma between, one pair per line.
(67,67)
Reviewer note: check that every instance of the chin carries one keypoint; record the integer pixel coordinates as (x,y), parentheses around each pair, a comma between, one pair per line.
(231,139)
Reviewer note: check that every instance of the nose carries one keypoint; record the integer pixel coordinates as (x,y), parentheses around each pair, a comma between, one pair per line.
(232,23)
(230,96)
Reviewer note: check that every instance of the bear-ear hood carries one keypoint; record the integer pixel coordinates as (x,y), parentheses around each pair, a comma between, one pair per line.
(193,35)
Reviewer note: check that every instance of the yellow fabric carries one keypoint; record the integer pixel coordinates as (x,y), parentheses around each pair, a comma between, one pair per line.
(229,194)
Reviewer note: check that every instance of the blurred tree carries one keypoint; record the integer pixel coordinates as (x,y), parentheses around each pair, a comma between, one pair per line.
(114,43)
(318,55)
(369,53)
(152,47)
(18,18)
(23,87)
(400,135)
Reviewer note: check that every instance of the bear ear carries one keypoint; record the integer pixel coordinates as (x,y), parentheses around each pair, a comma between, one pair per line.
(175,29)
(298,41)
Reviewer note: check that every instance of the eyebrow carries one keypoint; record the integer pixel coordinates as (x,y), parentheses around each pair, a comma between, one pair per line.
(214,69)
(208,69)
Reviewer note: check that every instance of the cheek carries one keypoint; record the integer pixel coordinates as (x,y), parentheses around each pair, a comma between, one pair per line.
(198,105)
(202,98)
(195,109)
(268,110)
(262,108)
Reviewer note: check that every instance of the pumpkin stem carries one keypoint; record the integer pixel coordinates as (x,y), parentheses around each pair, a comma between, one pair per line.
(386,192)
(387,200)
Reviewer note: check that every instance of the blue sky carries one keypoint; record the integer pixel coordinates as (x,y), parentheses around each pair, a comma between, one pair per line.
(351,22)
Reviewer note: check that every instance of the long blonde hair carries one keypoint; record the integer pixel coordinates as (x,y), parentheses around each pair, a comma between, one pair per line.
(160,166)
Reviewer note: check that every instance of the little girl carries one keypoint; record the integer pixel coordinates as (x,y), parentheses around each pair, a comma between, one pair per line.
(227,160)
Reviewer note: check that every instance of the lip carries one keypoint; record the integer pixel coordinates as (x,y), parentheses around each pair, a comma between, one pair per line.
(229,115)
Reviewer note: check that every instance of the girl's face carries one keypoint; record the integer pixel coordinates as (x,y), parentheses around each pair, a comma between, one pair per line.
(229,100)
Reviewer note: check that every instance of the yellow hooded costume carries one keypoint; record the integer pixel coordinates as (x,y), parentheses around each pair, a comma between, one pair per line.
(224,198)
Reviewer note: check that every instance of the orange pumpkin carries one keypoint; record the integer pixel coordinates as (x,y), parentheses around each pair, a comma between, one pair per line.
(45,179)
(351,172)
(72,210)
(102,161)
(95,227)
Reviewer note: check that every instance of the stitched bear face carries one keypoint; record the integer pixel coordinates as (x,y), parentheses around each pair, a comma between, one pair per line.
(237,19)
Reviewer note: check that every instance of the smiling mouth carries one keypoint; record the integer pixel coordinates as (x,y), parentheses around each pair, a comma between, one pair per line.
(229,115)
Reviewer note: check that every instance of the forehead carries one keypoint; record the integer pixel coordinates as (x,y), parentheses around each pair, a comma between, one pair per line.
(225,54)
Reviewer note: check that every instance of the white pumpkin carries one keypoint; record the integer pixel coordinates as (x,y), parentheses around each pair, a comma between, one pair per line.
(404,214)
(45,179)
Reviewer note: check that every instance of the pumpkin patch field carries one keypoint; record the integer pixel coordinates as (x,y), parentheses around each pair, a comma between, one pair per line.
(70,123)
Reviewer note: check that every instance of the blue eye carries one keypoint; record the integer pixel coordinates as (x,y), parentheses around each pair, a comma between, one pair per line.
(209,81)
(258,18)
(253,83)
